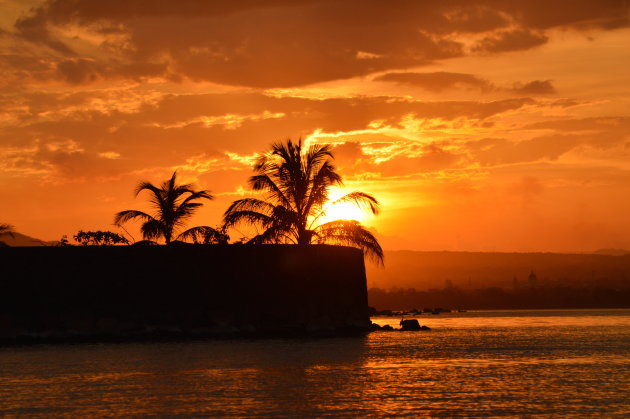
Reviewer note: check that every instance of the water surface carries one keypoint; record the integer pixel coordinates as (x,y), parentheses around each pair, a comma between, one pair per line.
(524,363)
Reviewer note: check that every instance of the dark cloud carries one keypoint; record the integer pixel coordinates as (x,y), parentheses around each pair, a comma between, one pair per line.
(34,28)
(78,71)
(288,43)
(285,50)
(438,81)
(433,15)
(85,71)
(615,124)
(518,39)
(535,87)
(544,14)
(19,68)
(475,18)
(288,46)
(86,11)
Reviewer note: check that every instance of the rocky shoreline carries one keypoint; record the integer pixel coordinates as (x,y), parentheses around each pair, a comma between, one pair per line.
(406,325)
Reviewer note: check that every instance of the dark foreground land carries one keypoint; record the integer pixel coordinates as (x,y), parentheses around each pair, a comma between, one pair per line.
(187,291)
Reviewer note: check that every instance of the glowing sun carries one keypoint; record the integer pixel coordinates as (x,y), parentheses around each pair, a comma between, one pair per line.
(345,211)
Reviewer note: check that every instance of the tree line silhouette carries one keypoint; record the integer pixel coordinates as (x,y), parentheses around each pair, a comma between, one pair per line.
(561,296)
(295,183)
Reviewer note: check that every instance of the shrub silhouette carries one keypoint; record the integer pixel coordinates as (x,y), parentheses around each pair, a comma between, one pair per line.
(99,238)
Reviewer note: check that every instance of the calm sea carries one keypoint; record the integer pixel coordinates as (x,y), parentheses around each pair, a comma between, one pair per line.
(500,363)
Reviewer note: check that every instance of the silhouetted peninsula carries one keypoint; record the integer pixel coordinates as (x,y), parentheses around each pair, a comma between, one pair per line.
(180,291)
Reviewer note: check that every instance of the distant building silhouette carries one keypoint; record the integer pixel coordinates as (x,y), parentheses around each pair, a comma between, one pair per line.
(532,280)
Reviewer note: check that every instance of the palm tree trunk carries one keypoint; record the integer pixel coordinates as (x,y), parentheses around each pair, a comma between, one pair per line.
(304,236)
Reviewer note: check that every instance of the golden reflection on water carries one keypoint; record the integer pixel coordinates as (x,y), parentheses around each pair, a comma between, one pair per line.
(537,364)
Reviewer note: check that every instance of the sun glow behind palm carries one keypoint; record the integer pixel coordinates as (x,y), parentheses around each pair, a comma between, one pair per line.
(298,183)
(344,210)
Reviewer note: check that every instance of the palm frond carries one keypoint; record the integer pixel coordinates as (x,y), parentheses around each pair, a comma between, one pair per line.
(146,186)
(251,204)
(249,210)
(157,198)
(196,195)
(248,217)
(320,186)
(128,215)
(361,200)
(317,155)
(204,235)
(350,233)
(153,229)
(276,234)
(184,211)
(263,182)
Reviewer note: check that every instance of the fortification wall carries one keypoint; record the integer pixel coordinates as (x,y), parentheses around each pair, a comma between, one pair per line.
(181,290)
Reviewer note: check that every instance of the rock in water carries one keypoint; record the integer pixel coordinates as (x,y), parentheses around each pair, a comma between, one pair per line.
(409,324)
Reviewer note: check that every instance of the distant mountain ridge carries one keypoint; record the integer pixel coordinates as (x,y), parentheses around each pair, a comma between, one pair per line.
(471,270)
(21,240)
(612,252)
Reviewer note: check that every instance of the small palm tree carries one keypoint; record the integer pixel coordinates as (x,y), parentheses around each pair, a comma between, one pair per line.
(173,204)
(297,183)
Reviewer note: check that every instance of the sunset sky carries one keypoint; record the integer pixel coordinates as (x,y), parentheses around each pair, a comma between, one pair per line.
(480,125)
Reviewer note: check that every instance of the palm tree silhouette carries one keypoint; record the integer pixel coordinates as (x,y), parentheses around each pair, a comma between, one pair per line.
(174,204)
(297,183)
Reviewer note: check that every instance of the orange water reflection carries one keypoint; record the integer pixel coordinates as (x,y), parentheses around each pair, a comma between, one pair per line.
(577,364)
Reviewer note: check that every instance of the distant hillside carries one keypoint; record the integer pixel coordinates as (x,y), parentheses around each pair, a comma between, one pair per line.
(473,270)
(19,239)
(612,252)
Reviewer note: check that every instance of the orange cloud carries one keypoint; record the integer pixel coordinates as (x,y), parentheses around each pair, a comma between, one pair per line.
(438,81)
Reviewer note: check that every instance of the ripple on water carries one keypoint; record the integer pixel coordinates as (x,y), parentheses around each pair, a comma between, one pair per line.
(518,363)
